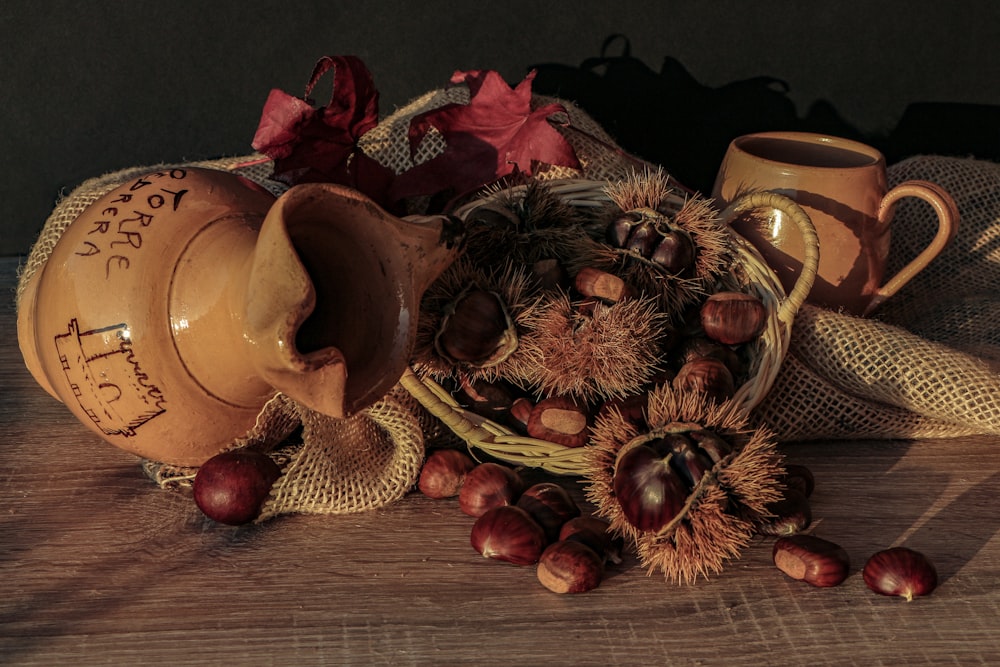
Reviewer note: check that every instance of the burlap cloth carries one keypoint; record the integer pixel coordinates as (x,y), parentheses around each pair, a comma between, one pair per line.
(924,365)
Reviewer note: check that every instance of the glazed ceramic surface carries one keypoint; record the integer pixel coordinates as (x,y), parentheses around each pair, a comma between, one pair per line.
(178,304)
(841,184)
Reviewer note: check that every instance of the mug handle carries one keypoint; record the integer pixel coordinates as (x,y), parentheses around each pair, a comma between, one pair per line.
(948,217)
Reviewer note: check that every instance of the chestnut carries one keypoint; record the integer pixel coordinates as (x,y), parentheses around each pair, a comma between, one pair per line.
(443,473)
(811,559)
(570,567)
(550,505)
(508,533)
(707,375)
(561,420)
(790,515)
(647,489)
(489,485)
(601,285)
(733,318)
(232,486)
(596,534)
(799,478)
(476,329)
(675,252)
(711,444)
(900,571)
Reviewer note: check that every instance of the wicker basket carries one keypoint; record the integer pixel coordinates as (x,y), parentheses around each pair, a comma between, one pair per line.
(750,272)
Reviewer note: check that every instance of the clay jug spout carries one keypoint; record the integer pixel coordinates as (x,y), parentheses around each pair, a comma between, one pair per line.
(333,294)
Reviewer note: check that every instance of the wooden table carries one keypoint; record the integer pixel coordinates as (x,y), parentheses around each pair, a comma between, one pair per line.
(100,566)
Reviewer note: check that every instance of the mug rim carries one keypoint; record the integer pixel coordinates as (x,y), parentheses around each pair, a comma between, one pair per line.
(814,139)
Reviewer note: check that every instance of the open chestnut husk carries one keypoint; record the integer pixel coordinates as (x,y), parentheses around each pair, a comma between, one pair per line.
(691,525)
(900,571)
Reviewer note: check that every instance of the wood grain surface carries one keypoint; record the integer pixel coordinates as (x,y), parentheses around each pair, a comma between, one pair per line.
(99,566)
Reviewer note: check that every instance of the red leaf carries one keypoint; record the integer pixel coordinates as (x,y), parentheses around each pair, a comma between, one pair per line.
(493,135)
(310,143)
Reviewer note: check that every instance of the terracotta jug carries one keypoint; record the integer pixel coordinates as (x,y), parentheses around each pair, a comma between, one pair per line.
(173,308)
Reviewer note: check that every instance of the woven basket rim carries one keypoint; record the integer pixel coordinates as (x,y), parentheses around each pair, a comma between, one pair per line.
(501,442)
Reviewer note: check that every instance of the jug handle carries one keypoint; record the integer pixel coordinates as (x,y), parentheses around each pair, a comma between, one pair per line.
(948,217)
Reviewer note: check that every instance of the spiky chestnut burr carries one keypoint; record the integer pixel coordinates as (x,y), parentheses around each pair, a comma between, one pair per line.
(662,243)
(604,352)
(451,336)
(717,518)
(525,223)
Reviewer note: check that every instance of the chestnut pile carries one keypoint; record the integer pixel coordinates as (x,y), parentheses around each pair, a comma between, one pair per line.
(556,313)
(528,525)
(898,571)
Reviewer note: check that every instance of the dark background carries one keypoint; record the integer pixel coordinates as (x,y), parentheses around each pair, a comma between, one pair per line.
(92,87)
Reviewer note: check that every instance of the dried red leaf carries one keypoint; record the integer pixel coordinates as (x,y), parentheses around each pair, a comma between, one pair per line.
(320,144)
(494,135)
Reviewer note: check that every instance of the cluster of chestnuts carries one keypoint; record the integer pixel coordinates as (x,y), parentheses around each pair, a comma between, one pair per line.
(537,525)
(552,315)
(897,571)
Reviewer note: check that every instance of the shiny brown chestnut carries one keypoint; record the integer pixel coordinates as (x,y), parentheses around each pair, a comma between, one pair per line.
(561,420)
(508,533)
(477,330)
(570,567)
(550,505)
(900,571)
(811,559)
(596,534)
(647,489)
(733,318)
(231,487)
(789,515)
(707,375)
(489,485)
(443,473)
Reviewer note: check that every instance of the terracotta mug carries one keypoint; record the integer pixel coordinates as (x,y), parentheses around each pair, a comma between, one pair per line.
(842,186)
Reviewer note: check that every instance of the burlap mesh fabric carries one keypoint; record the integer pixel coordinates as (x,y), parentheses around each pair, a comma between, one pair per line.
(915,369)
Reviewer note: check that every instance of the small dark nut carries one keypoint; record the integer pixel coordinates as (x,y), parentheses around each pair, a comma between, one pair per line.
(476,330)
(560,420)
(550,505)
(811,559)
(900,571)
(789,516)
(733,318)
(570,567)
(489,485)
(706,375)
(643,239)
(799,478)
(675,252)
(443,473)
(231,487)
(508,533)
(647,489)
(596,534)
